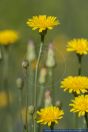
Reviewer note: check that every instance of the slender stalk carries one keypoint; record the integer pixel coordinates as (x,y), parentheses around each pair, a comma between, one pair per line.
(51,81)
(79,61)
(31,86)
(36,75)
(5,72)
(79,73)
(86,119)
(40,95)
(26,76)
(52,126)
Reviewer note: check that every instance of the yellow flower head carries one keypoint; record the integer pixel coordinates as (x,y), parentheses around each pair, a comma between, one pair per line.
(42,22)
(80,46)
(75,84)
(80,105)
(50,115)
(8,37)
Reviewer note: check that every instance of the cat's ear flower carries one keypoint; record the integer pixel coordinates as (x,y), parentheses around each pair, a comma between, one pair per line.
(80,105)
(75,84)
(49,115)
(8,37)
(42,22)
(79,46)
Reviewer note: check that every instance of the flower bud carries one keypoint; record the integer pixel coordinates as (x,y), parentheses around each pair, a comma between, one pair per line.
(42,76)
(50,61)
(48,100)
(58,103)
(19,83)
(25,64)
(31,109)
(31,51)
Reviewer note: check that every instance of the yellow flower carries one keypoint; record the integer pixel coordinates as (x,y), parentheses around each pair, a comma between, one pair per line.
(3,99)
(42,22)
(80,46)
(8,37)
(25,118)
(27,113)
(50,115)
(80,105)
(76,84)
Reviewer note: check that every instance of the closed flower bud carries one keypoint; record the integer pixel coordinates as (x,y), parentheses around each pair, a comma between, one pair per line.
(31,109)
(31,51)
(25,64)
(48,100)
(50,61)
(58,103)
(19,83)
(42,76)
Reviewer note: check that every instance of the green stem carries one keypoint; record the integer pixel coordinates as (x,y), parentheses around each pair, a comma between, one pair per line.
(41,95)
(26,76)
(36,75)
(75,95)
(52,126)
(31,86)
(79,61)
(86,119)
(5,72)
(51,79)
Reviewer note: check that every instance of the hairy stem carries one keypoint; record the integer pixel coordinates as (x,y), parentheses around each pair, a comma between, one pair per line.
(36,75)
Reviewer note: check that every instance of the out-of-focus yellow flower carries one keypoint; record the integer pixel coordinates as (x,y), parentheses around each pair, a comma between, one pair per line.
(80,105)
(80,46)
(3,99)
(75,84)
(50,115)
(42,22)
(8,37)
(25,115)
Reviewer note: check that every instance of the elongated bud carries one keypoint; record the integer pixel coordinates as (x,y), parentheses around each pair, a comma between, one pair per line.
(50,61)
(19,83)
(58,103)
(25,64)
(48,100)
(31,109)
(31,51)
(42,76)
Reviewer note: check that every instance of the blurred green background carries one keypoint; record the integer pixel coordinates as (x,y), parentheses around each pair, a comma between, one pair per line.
(73,16)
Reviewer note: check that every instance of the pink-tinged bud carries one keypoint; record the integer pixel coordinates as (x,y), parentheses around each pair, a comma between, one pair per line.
(48,99)
(50,61)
